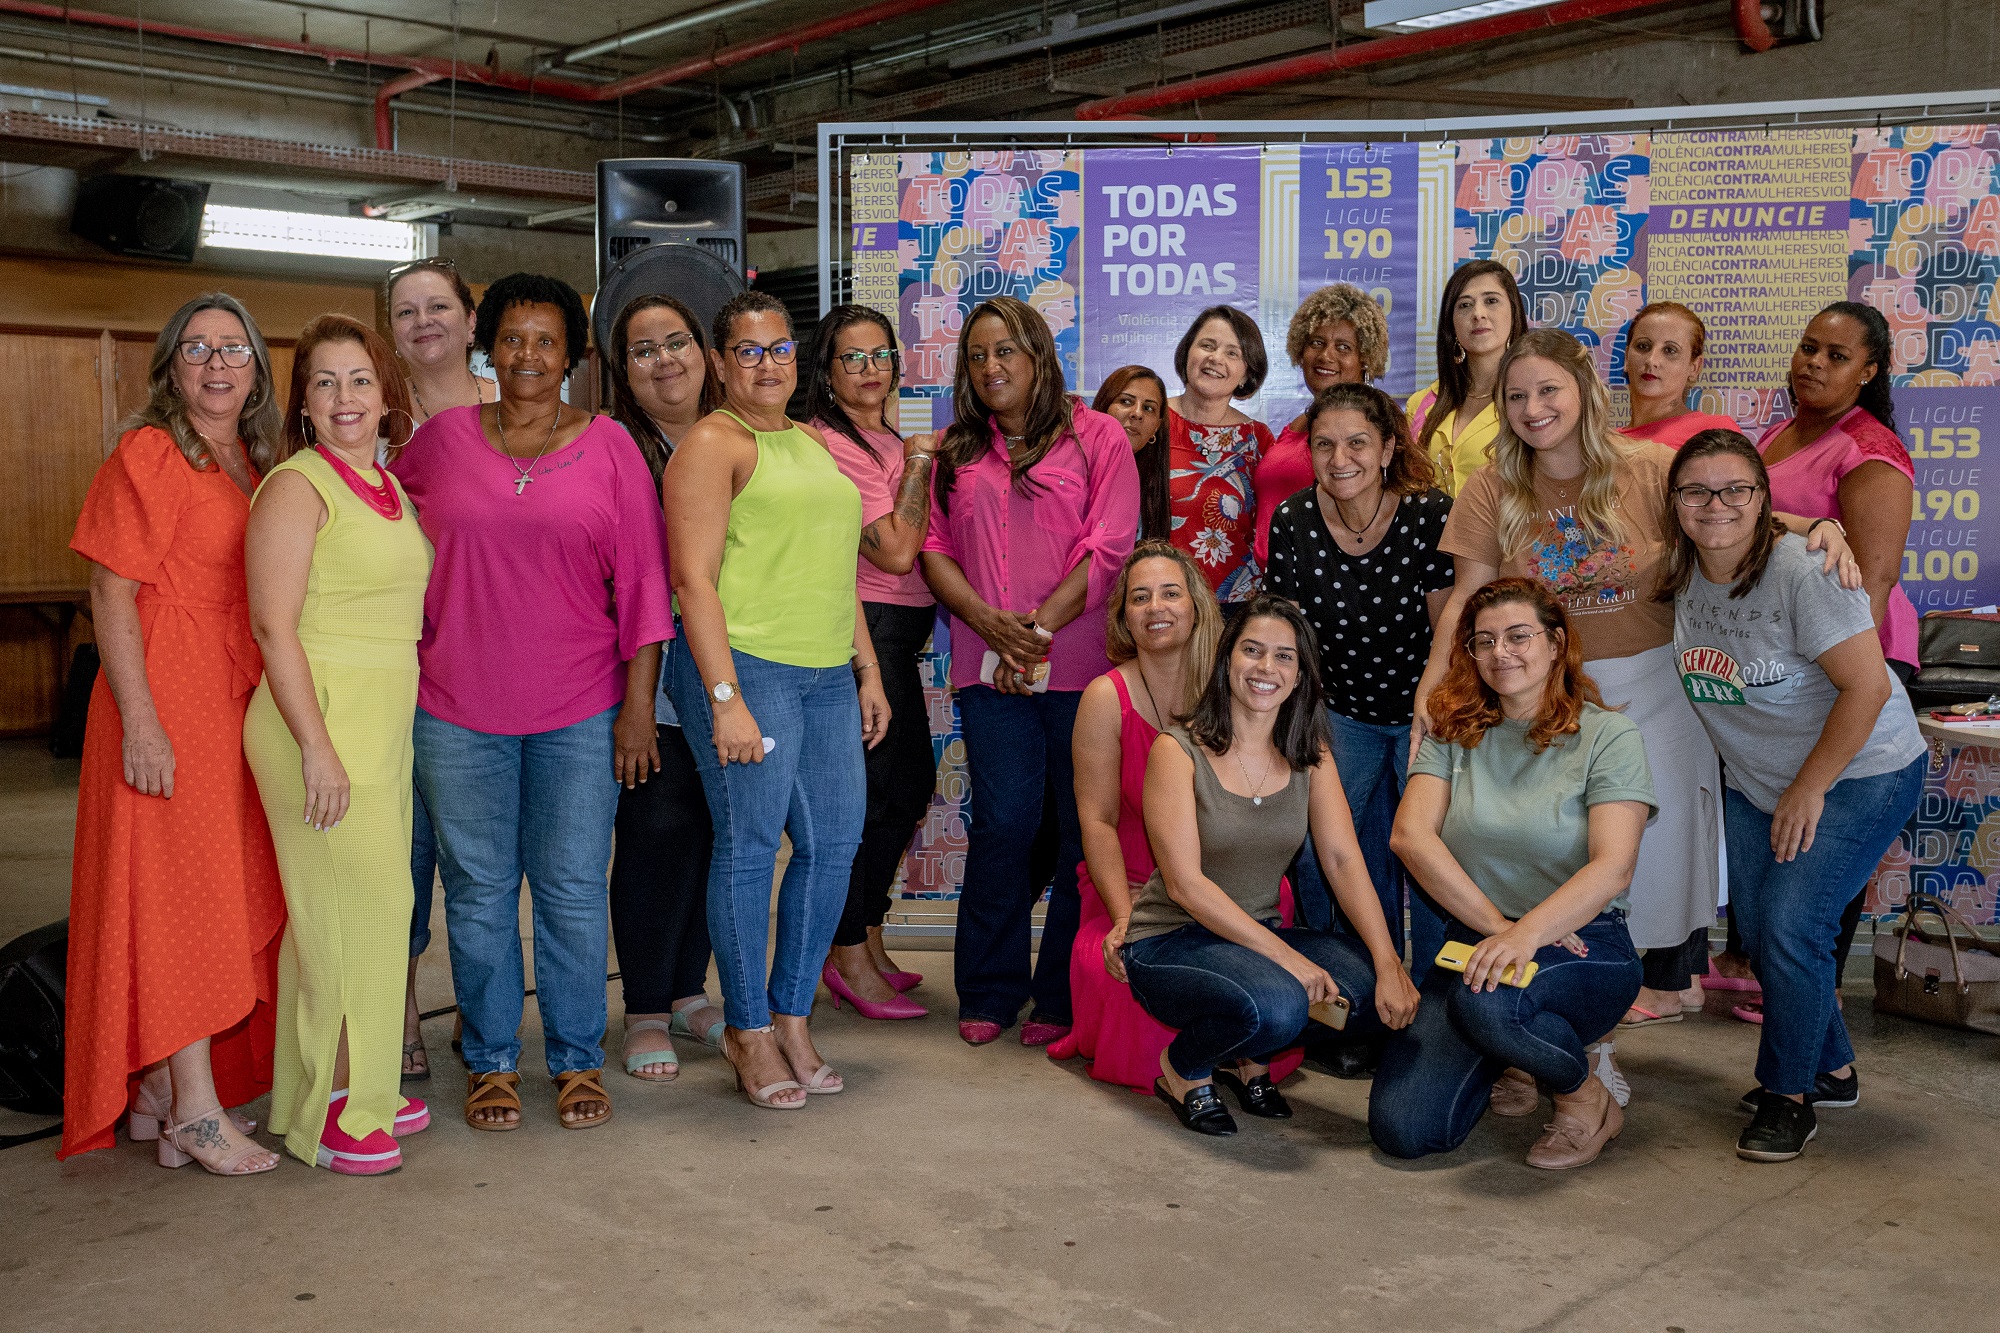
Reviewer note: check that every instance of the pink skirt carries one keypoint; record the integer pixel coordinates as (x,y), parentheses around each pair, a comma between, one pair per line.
(1120,1041)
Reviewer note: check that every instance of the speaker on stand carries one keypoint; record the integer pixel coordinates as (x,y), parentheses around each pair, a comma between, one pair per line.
(670,226)
(148,216)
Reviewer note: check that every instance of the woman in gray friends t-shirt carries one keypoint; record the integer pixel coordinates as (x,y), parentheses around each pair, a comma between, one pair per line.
(1823,762)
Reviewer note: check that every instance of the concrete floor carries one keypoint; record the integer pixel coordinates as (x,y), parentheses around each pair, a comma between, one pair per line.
(952,1188)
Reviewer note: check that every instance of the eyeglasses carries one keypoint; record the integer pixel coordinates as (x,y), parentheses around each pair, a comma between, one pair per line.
(750,355)
(234,355)
(1484,645)
(647,353)
(1697,497)
(436,262)
(856,363)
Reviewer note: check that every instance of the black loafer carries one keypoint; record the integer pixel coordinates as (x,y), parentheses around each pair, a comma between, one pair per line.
(1259,1097)
(1781,1130)
(1202,1112)
(1343,1057)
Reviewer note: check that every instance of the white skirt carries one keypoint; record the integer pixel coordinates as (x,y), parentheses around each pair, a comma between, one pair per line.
(1678,879)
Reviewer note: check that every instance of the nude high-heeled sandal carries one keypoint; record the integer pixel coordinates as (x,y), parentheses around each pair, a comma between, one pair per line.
(173,1152)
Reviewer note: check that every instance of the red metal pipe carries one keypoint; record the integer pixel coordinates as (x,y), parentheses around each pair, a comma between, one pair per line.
(385,126)
(1751,29)
(1320,63)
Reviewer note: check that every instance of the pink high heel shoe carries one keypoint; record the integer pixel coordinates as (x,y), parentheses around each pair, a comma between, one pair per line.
(144,1121)
(171,1150)
(904,981)
(900,1007)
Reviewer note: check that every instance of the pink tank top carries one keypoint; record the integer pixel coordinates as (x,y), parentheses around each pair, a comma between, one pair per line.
(1135,742)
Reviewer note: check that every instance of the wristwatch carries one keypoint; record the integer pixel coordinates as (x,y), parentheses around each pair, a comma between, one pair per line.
(724,691)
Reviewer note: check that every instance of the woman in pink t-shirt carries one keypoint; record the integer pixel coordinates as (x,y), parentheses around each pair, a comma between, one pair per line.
(1338,335)
(1663,348)
(542,626)
(850,394)
(1033,511)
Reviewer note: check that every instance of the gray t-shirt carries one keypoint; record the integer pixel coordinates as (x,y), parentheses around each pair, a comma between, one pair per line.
(1748,666)
(1519,820)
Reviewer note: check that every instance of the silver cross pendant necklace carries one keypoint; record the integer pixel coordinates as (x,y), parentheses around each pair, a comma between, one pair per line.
(521,482)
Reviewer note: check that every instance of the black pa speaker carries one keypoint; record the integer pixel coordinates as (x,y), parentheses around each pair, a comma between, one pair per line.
(32,970)
(667,225)
(148,216)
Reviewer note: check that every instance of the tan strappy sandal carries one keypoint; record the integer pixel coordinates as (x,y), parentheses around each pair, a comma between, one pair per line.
(580,1085)
(173,1147)
(495,1090)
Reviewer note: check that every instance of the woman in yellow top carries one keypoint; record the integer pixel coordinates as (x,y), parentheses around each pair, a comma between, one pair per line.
(337,567)
(1455,420)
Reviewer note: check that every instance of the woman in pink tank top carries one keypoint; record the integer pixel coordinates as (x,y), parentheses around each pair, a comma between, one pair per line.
(1161,631)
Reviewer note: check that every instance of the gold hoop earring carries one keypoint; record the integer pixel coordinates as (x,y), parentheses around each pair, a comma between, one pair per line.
(1459,359)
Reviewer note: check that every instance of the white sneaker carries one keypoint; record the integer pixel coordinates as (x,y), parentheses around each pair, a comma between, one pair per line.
(1605,1070)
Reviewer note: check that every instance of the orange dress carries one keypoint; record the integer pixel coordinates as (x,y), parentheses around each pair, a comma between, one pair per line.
(175,905)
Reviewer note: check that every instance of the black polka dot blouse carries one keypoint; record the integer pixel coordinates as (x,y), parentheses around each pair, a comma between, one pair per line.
(1368,610)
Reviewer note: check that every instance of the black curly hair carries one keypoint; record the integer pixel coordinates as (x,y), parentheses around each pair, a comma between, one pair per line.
(534,289)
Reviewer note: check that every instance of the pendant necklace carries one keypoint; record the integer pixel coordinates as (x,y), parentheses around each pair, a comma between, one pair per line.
(1145,685)
(383,499)
(521,482)
(1256,786)
(1363,529)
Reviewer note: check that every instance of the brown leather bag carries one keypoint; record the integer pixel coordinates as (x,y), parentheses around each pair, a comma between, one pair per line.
(1948,974)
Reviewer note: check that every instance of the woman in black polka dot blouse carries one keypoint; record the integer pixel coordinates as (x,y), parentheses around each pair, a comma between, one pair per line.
(1358,552)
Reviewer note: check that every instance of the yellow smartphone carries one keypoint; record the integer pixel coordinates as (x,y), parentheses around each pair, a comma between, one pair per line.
(1456,954)
(1332,1012)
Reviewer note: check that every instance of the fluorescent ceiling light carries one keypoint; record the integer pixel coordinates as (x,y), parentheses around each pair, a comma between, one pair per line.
(1418,15)
(228,227)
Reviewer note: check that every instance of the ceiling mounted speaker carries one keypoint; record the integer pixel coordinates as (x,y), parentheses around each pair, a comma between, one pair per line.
(679,269)
(148,216)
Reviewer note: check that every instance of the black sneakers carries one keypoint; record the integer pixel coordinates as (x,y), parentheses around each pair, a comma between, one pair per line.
(1780,1131)
(1827,1091)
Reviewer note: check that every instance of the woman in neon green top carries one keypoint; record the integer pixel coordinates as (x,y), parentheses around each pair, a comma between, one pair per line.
(777,688)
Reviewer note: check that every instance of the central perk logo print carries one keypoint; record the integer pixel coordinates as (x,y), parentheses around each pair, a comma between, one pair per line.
(1711,676)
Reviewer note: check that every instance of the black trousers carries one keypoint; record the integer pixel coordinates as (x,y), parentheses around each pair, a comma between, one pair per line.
(902,770)
(659,882)
(1675,967)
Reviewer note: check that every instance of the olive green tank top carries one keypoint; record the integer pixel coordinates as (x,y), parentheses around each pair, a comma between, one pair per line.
(788,558)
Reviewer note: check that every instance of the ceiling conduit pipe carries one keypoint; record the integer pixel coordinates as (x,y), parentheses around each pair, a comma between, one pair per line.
(1318,64)
(385,125)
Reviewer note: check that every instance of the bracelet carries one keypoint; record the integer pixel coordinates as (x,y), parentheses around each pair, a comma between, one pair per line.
(1816,522)
(866,666)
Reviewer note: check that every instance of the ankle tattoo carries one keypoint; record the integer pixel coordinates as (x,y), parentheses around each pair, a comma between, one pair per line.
(208,1134)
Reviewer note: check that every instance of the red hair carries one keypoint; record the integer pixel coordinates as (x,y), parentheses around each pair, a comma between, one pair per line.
(395,389)
(1464,706)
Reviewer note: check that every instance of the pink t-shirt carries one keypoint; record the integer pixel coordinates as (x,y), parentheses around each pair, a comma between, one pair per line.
(538,599)
(1808,484)
(1677,431)
(877,476)
(1284,471)
(1016,548)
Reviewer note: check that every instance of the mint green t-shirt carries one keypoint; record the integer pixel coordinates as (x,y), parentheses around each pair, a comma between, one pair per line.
(1519,822)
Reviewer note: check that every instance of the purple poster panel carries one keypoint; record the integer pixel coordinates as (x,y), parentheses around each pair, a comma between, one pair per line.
(1952,561)
(1358,224)
(1167,233)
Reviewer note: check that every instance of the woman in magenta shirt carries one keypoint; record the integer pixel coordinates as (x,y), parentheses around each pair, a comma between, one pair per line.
(1338,335)
(1663,347)
(1034,508)
(851,394)
(542,632)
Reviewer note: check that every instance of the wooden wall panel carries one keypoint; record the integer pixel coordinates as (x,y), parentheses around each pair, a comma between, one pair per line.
(51,441)
(136,298)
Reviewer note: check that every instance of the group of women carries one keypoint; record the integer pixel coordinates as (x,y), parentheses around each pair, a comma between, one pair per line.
(1226,698)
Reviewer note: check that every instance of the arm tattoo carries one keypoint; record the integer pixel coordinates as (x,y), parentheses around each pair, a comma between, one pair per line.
(913,502)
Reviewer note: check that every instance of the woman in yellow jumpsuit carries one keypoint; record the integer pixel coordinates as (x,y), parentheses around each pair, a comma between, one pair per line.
(337,566)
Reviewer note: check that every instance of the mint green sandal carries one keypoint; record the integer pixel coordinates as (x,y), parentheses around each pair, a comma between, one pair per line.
(713,1037)
(638,1060)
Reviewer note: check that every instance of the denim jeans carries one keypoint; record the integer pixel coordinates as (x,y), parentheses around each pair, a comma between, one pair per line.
(423,873)
(1374,764)
(505,806)
(902,770)
(1232,1003)
(1016,750)
(1790,914)
(812,786)
(1437,1074)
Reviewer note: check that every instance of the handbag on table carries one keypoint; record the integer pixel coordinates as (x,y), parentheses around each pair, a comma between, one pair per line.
(1948,974)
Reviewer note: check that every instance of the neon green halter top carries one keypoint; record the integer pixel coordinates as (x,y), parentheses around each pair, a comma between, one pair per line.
(788,559)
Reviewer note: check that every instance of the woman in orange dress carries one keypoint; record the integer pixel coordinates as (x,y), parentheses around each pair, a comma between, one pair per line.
(175,906)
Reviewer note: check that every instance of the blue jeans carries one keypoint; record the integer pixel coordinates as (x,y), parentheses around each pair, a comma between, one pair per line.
(1232,1003)
(1789,915)
(812,786)
(1016,748)
(1437,1074)
(1374,764)
(540,805)
(423,873)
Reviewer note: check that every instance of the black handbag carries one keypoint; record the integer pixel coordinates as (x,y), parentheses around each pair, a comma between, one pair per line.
(1958,656)
(32,972)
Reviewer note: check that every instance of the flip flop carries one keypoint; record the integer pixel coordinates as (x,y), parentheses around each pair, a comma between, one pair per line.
(1716,981)
(416,1047)
(638,1060)
(1648,1019)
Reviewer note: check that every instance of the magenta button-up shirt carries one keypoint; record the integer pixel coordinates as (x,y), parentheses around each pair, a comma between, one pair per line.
(1016,548)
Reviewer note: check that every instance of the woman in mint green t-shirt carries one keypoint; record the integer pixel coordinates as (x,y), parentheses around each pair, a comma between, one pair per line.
(1522,820)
